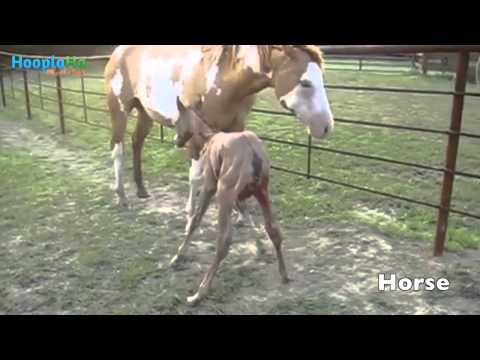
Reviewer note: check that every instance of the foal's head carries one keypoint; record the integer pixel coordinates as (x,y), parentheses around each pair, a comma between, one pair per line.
(190,124)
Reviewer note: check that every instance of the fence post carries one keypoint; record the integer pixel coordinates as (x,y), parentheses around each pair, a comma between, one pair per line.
(309,158)
(12,87)
(85,114)
(40,90)
(2,89)
(360,64)
(27,95)
(425,64)
(452,152)
(60,104)
(162,135)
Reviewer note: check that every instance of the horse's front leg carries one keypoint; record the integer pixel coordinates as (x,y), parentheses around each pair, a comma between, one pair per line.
(195,186)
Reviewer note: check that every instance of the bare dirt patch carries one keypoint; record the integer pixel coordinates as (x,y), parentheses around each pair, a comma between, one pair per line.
(101,259)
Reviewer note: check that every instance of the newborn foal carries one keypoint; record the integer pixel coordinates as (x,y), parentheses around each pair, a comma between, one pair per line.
(236,167)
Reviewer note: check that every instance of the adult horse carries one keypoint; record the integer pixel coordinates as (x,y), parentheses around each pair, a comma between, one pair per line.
(224,78)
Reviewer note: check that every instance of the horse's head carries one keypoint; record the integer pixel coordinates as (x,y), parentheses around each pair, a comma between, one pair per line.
(299,86)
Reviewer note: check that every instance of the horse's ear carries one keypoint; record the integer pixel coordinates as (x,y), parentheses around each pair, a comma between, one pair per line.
(180,105)
(289,50)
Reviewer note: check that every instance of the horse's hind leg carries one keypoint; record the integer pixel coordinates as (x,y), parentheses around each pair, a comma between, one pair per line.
(119,124)
(144,126)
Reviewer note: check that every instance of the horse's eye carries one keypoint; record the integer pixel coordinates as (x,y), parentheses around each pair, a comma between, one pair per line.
(307,84)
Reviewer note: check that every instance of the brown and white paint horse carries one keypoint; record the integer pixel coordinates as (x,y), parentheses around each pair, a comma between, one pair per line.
(225,78)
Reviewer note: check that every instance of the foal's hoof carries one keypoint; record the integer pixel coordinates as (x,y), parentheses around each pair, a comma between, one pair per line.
(143,194)
(240,223)
(261,252)
(122,204)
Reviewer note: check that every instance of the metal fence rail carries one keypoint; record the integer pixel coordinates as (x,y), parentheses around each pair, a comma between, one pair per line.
(454,133)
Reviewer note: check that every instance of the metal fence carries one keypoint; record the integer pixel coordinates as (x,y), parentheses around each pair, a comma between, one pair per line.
(372,63)
(454,132)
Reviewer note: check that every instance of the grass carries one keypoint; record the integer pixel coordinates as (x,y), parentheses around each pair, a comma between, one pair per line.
(302,202)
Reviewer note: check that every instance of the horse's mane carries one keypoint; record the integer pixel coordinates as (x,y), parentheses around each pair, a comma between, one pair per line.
(226,55)
(315,53)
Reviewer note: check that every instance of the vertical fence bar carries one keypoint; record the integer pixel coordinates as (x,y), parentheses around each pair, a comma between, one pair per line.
(360,65)
(40,90)
(85,112)
(162,135)
(12,86)
(60,104)
(27,95)
(309,157)
(425,64)
(477,71)
(452,152)
(2,89)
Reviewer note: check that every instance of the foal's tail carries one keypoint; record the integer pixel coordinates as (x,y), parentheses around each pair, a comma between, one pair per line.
(257,165)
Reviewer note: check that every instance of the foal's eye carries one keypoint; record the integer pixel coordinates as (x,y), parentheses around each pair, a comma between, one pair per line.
(307,84)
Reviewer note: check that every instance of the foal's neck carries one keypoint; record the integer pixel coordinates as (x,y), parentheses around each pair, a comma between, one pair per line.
(202,134)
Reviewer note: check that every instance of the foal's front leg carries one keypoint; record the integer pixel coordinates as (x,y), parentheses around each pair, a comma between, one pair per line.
(224,240)
(205,199)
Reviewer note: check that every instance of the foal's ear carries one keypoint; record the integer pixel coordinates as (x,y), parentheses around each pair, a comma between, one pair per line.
(197,107)
(289,50)
(180,105)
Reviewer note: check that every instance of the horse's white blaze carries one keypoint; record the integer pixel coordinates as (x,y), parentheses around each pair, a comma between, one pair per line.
(117,156)
(117,83)
(311,105)
(251,57)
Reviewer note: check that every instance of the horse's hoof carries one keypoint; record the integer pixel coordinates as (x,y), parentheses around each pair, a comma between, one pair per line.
(286,281)
(143,194)
(175,261)
(193,300)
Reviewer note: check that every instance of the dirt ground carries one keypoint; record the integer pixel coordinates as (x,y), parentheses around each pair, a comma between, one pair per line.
(334,266)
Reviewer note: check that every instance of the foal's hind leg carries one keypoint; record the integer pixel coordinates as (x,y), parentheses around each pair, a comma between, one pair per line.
(142,130)
(119,124)
(246,214)
(272,229)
